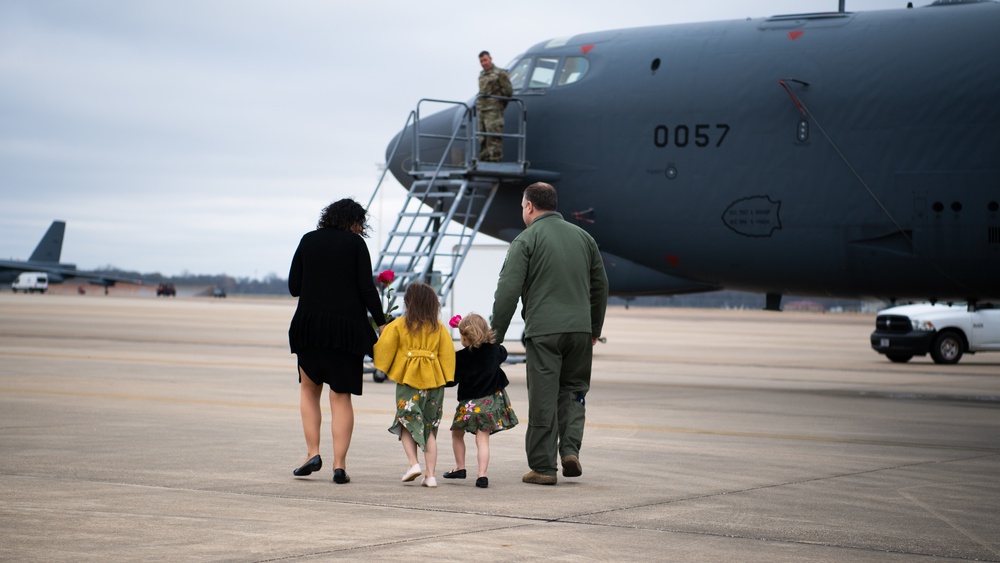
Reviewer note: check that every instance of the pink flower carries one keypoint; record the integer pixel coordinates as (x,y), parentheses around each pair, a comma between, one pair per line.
(385,295)
(455,320)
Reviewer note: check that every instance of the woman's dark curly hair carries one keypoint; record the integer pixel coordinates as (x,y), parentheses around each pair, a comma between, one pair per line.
(344,215)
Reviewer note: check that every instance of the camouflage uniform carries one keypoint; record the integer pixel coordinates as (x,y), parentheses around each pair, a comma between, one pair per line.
(492,82)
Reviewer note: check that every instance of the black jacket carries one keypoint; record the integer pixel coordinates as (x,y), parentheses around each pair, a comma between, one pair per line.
(478,373)
(331,274)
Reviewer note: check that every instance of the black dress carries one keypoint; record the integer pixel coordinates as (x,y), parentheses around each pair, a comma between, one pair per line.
(331,274)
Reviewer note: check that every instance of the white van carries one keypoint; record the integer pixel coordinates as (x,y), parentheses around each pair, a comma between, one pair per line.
(30,282)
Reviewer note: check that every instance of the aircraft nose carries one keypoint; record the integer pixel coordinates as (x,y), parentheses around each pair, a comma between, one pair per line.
(399,155)
(438,132)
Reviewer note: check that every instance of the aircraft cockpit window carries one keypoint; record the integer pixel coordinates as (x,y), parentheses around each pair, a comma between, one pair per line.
(544,73)
(519,73)
(573,70)
(535,74)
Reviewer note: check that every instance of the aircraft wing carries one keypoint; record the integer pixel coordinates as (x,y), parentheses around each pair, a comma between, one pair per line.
(59,272)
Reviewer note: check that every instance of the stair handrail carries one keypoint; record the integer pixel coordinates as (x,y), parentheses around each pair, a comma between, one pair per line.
(457,265)
(428,177)
(388,160)
(415,143)
(416,136)
(459,123)
(522,126)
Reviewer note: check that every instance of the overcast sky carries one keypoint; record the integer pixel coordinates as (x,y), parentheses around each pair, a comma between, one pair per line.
(204,136)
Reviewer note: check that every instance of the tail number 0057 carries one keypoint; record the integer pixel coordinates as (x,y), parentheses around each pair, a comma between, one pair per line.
(700,135)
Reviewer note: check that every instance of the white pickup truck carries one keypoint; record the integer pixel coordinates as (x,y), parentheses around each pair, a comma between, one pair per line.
(944,331)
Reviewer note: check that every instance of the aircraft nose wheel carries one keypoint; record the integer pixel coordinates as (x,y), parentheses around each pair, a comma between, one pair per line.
(378,375)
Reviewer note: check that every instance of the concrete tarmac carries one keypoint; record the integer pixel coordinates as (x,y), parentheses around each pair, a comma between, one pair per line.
(137,428)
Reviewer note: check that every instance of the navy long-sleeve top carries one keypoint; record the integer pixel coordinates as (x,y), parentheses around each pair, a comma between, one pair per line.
(478,373)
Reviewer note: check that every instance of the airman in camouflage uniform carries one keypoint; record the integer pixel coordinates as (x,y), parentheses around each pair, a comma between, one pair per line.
(493,81)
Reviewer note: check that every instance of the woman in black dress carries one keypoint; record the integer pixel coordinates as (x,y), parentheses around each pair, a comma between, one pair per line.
(331,274)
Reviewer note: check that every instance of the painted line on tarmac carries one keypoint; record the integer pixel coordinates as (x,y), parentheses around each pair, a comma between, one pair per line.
(593,425)
(91,357)
(175,400)
(792,437)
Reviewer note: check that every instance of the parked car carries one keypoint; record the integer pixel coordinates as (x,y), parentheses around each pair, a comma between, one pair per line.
(166,289)
(30,282)
(944,331)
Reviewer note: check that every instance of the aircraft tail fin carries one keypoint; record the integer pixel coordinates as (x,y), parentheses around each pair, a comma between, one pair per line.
(49,248)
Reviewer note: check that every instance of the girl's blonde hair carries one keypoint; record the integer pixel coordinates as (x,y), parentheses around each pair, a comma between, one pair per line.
(422,308)
(476,330)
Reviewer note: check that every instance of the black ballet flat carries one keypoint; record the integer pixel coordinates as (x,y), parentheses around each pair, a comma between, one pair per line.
(314,464)
(456,474)
(340,477)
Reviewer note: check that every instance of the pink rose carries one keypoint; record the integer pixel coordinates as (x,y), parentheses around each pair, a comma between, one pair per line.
(455,320)
(386,277)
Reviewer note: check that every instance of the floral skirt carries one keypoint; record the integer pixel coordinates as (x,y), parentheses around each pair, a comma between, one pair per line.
(419,412)
(492,413)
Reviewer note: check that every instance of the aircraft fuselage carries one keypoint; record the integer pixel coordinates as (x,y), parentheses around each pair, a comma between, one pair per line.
(848,154)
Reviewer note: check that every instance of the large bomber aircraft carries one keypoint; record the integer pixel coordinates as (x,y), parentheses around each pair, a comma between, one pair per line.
(45,258)
(852,154)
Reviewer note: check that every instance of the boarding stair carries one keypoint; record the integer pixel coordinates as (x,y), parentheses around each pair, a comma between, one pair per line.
(447,200)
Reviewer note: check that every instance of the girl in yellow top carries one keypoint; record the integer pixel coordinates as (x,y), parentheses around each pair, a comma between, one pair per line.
(417,353)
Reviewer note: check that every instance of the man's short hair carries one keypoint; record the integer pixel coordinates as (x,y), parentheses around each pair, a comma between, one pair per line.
(487,53)
(542,196)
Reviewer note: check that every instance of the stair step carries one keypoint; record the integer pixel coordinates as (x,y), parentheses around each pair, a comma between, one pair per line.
(408,254)
(452,198)
(447,173)
(418,234)
(429,215)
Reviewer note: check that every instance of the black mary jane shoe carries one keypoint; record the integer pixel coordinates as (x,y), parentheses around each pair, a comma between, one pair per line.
(340,477)
(314,464)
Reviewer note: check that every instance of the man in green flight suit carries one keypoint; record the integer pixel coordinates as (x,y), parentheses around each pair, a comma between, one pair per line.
(556,269)
(493,81)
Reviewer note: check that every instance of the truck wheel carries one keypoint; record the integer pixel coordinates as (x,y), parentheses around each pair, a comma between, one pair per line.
(947,348)
(899,358)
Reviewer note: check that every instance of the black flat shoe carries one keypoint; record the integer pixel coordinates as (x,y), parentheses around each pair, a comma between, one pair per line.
(340,477)
(482,482)
(314,464)
(457,474)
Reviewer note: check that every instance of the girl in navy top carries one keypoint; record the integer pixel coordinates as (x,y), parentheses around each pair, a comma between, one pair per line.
(483,404)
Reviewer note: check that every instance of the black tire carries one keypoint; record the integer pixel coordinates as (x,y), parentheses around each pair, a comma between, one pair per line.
(899,357)
(948,347)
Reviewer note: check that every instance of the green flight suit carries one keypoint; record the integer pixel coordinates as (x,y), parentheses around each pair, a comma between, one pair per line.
(555,268)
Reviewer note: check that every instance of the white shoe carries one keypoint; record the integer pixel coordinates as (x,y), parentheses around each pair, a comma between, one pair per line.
(412,474)
(429,482)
